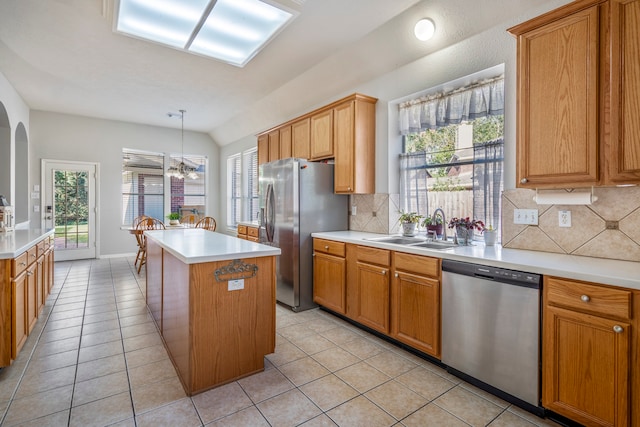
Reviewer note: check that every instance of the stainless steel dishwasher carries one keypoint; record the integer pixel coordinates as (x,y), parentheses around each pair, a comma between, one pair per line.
(491,329)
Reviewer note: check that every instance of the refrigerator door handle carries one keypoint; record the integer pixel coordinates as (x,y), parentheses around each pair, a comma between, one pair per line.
(269,213)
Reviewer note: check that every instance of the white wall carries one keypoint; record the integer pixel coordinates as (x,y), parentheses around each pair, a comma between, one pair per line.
(67,137)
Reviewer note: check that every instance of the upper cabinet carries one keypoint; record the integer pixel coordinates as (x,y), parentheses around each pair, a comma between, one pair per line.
(343,131)
(578,80)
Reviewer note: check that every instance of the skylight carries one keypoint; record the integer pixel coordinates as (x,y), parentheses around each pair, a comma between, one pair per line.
(232,31)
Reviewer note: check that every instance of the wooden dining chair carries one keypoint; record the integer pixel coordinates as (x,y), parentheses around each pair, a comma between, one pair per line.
(208,223)
(146,224)
(135,223)
(189,220)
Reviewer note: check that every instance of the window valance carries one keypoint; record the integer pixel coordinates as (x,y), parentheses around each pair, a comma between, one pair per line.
(466,103)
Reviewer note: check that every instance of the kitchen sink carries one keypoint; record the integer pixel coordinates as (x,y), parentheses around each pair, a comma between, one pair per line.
(435,245)
(397,240)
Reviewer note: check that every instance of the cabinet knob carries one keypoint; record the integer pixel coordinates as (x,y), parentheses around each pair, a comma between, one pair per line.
(327,247)
(30,273)
(33,255)
(349,188)
(618,329)
(524,181)
(23,263)
(396,275)
(585,298)
(384,271)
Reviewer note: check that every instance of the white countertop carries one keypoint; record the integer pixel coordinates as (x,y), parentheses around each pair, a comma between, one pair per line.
(196,245)
(598,270)
(13,243)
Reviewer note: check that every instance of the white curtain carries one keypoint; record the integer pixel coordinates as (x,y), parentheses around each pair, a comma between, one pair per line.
(467,103)
(413,183)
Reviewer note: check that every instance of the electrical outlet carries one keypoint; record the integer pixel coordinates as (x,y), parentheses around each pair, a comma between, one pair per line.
(525,216)
(564,218)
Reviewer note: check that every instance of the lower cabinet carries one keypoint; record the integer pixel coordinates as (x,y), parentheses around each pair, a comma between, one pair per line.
(368,272)
(587,361)
(248,232)
(19,322)
(32,297)
(415,302)
(329,275)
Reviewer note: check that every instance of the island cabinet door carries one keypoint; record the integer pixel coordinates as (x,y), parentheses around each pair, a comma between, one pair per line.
(232,321)
(154,267)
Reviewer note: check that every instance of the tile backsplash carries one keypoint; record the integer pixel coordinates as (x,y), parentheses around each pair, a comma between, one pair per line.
(608,228)
(375,213)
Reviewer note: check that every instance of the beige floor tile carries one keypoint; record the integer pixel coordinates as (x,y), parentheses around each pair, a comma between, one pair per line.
(59,315)
(102,412)
(469,407)
(38,405)
(54,361)
(396,399)
(181,413)
(247,417)
(425,383)
(107,325)
(142,341)
(288,409)
(543,422)
(150,373)
(54,420)
(36,382)
(509,419)
(360,412)
(340,335)
(312,344)
(303,370)
(133,311)
(100,387)
(335,359)
(102,337)
(100,367)
(146,355)
(264,385)
(320,421)
(100,317)
(129,422)
(99,305)
(135,320)
(363,348)
(59,346)
(296,331)
(321,324)
(221,402)
(432,416)
(60,334)
(157,394)
(285,353)
(485,395)
(141,329)
(99,351)
(391,364)
(362,377)
(328,392)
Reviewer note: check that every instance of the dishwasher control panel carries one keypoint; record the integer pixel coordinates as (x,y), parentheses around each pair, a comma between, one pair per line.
(492,273)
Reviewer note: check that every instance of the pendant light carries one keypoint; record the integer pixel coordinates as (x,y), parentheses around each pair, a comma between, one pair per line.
(182,170)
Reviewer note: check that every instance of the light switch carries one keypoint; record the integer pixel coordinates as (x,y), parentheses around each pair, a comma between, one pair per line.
(525,216)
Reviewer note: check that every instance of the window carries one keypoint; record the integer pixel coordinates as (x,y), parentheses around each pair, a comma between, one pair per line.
(188,195)
(142,185)
(143,182)
(242,187)
(453,153)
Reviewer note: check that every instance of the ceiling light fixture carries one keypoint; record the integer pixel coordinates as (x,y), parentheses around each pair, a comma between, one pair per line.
(424,29)
(182,170)
(232,31)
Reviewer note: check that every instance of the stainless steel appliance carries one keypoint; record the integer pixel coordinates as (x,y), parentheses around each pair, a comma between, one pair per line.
(491,329)
(297,199)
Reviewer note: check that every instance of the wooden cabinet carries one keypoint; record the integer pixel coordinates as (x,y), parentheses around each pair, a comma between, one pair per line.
(300,138)
(578,82)
(263,149)
(285,142)
(354,145)
(321,142)
(587,362)
(329,275)
(248,232)
(25,283)
(368,271)
(274,145)
(415,302)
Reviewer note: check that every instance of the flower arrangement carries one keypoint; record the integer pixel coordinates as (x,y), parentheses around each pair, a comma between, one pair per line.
(466,223)
(409,217)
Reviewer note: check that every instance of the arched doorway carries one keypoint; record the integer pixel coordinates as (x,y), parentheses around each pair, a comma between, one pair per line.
(21,203)
(5,154)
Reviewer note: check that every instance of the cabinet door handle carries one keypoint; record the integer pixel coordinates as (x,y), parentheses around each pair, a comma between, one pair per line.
(524,181)
(33,255)
(384,271)
(23,263)
(396,275)
(585,298)
(618,329)
(29,273)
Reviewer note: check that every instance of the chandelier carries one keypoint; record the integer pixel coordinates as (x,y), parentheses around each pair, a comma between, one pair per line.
(182,170)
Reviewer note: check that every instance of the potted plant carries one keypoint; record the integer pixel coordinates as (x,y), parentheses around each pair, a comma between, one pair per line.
(174,218)
(409,221)
(434,224)
(464,228)
(490,235)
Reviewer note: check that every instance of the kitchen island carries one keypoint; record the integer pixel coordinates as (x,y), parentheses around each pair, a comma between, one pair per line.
(213,299)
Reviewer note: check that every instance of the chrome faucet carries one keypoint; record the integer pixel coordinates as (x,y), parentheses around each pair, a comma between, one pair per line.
(444,222)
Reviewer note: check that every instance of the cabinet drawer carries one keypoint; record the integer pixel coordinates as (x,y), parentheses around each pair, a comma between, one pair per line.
(374,256)
(329,247)
(19,264)
(32,254)
(242,229)
(41,247)
(422,265)
(589,297)
(252,232)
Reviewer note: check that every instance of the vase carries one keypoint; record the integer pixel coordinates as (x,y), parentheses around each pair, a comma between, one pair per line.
(438,228)
(490,237)
(174,222)
(409,228)
(462,233)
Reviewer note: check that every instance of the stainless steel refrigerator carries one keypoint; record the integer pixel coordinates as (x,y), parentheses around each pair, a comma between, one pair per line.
(297,199)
